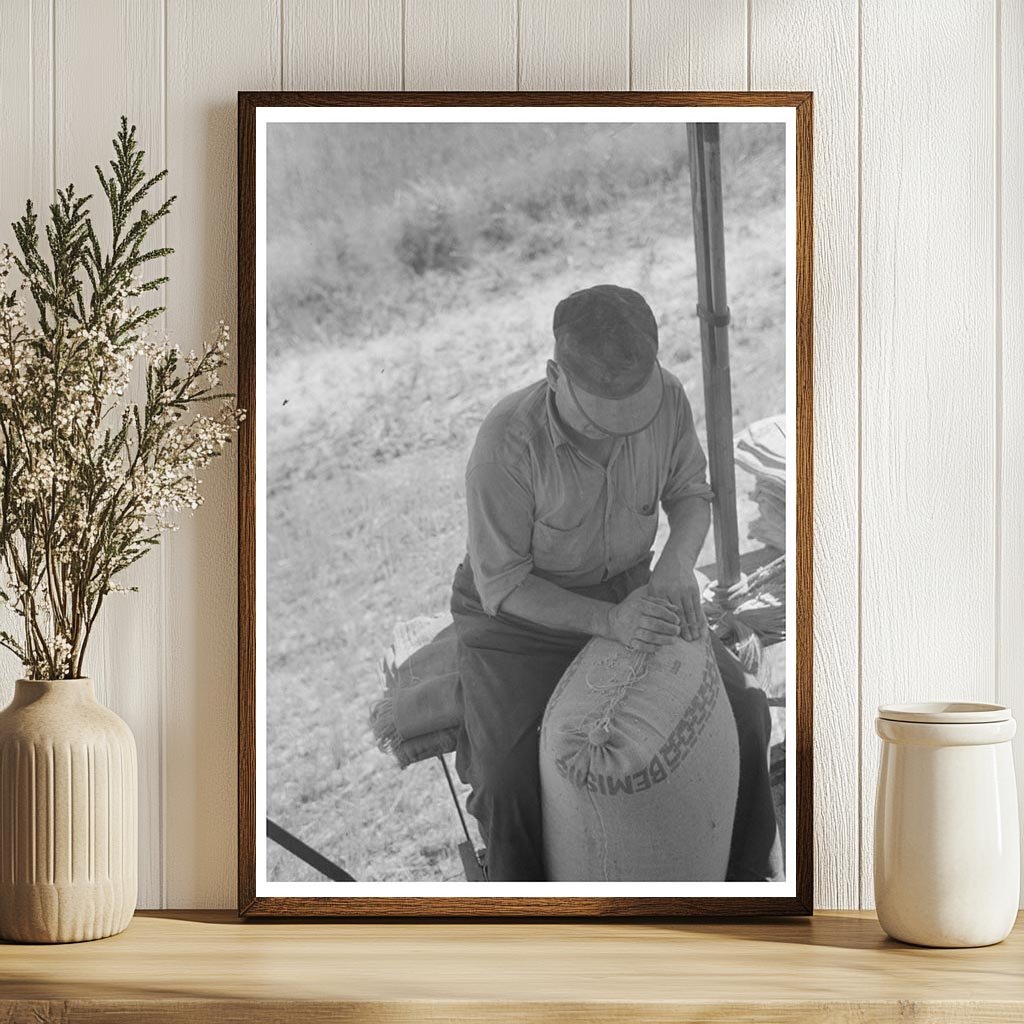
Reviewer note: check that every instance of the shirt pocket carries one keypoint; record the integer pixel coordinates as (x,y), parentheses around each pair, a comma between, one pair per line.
(641,499)
(638,482)
(634,536)
(641,506)
(635,522)
(560,549)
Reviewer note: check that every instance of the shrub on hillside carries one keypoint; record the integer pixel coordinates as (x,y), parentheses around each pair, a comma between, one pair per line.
(383,226)
(429,232)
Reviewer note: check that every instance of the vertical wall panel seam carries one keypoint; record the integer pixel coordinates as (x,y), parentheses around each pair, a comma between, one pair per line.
(629,44)
(750,18)
(997,235)
(31,91)
(280,40)
(53,98)
(162,695)
(519,30)
(860,458)
(403,13)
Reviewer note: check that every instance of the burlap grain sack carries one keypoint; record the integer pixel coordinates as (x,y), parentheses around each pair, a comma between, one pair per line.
(639,765)
(421,711)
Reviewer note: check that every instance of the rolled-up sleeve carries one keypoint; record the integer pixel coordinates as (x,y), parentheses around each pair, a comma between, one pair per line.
(500,513)
(687,477)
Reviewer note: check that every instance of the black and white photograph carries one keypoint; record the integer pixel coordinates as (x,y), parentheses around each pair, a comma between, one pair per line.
(525,520)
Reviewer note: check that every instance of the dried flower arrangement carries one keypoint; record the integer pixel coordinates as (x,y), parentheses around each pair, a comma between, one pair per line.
(89,477)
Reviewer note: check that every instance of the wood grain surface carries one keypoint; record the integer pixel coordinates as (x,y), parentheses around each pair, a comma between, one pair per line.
(832,75)
(1009,270)
(468,45)
(27,129)
(208,966)
(918,154)
(928,514)
(346,44)
(577,44)
(228,45)
(133,675)
(249,828)
(697,45)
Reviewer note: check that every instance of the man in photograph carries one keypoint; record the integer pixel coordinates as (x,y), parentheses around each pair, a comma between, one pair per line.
(563,489)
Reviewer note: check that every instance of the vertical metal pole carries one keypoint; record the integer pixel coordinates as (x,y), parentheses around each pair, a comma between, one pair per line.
(713,314)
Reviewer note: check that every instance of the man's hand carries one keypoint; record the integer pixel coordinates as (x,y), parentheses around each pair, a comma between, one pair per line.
(642,622)
(679,587)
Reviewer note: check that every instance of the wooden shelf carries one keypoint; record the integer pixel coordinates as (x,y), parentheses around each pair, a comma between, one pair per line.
(209,966)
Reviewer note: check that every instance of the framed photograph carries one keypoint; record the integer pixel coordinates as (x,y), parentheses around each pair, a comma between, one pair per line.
(525,492)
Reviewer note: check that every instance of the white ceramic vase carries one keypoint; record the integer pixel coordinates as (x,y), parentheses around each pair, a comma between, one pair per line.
(947,847)
(68,815)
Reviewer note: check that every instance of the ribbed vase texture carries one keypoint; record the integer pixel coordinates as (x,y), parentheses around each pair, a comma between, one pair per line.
(68,815)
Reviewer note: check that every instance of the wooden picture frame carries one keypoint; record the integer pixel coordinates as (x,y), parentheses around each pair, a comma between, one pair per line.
(252,902)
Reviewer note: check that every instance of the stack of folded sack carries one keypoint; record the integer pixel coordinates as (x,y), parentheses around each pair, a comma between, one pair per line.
(761,450)
(421,710)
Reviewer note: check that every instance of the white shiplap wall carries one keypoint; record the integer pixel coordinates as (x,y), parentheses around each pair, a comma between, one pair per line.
(919,306)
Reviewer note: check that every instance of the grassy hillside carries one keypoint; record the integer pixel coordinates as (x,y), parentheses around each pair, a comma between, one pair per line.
(373,227)
(413,276)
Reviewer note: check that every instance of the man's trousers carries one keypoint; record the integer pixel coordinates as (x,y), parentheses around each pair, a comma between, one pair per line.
(508,668)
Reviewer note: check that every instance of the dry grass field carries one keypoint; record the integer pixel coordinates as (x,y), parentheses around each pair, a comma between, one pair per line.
(413,272)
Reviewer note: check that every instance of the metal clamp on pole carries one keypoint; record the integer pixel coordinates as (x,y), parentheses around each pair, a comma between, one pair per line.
(709,316)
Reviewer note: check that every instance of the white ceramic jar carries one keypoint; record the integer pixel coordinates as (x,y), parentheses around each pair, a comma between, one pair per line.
(947,847)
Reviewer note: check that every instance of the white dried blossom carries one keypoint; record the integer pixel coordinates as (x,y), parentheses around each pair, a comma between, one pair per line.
(104,428)
(93,468)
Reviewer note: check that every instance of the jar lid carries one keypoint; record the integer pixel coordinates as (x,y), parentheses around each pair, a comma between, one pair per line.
(945,712)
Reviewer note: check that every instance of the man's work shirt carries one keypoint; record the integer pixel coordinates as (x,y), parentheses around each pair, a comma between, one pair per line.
(537,504)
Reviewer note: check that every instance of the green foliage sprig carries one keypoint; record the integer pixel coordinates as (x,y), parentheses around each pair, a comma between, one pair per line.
(89,477)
